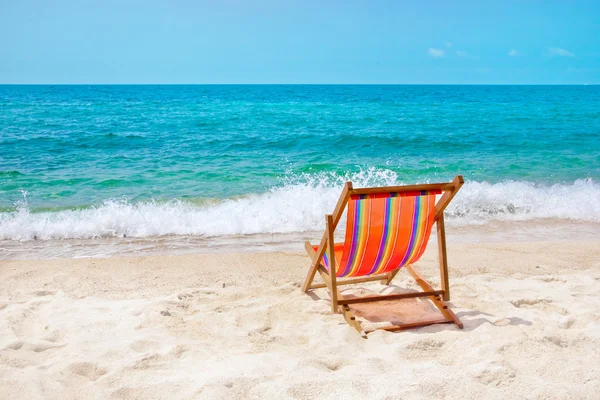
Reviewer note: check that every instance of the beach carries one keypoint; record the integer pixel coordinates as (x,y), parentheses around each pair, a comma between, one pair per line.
(238,326)
(151,241)
(166,168)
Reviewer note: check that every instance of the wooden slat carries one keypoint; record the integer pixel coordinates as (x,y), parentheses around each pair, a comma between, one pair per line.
(410,325)
(443,202)
(351,320)
(391,275)
(396,296)
(443,257)
(418,278)
(345,310)
(325,276)
(337,214)
(318,286)
(352,281)
(314,264)
(341,204)
(332,264)
(310,250)
(395,194)
(446,312)
(407,188)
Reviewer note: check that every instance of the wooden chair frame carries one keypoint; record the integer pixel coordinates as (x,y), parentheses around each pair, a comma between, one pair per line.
(341,304)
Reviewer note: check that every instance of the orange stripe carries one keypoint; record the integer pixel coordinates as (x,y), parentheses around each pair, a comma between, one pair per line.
(393,233)
(374,236)
(427,229)
(404,232)
(364,226)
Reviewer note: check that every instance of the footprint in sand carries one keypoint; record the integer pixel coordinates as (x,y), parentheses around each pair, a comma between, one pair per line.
(332,364)
(539,304)
(494,376)
(193,293)
(308,390)
(263,330)
(15,345)
(551,278)
(41,346)
(220,309)
(425,345)
(43,293)
(528,303)
(155,358)
(88,370)
(15,361)
(566,322)
(425,348)
(143,346)
(558,341)
(52,336)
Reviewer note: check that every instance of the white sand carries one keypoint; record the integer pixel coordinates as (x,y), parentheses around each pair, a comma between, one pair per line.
(237,326)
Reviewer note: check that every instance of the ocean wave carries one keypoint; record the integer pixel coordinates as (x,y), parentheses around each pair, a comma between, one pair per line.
(298,204)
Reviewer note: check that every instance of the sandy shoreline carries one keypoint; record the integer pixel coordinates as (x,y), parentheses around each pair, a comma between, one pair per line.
(237,326)
(496,231)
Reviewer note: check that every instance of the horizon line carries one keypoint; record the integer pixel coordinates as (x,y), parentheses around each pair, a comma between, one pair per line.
(301,84)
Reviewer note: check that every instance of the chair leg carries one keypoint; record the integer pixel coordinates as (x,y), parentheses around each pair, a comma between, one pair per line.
(333,290)
(345,310)
(390,276)
(446,311)
(443,257)
(351,320)
(437,300)
(313,268)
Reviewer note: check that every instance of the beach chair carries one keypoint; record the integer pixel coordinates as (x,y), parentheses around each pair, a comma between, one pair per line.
(387,229)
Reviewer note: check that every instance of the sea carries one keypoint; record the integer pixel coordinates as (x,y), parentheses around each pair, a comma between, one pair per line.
(104,170)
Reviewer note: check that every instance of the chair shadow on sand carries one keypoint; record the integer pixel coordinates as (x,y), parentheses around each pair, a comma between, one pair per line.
(405,311)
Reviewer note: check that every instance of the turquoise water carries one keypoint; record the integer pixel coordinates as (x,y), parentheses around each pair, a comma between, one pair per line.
(103,161)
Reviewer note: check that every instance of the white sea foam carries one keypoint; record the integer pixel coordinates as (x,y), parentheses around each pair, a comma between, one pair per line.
(298,205)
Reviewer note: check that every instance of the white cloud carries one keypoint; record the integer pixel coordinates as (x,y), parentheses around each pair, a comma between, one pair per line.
(557,51)
(435,52)
(464,54)
(513,53)
(448,44)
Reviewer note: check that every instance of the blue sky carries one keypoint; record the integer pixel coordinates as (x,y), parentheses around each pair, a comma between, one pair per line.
(235,41)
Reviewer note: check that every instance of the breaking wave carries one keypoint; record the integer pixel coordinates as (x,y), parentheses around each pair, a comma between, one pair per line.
(298,204)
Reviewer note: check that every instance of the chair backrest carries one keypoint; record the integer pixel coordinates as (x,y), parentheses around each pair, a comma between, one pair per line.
(385,231)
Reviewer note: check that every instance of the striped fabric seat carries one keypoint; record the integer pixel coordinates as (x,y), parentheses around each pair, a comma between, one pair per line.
(384,232)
